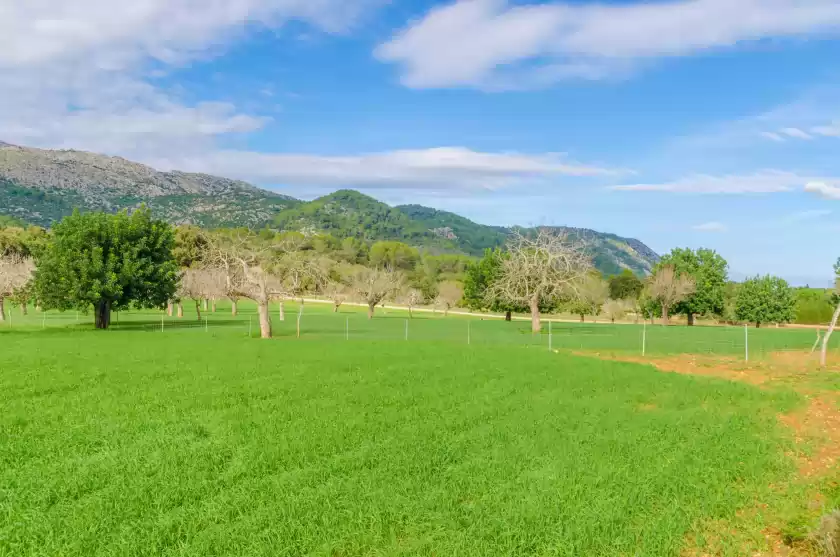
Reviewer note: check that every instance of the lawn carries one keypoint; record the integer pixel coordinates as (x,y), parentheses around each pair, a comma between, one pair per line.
(209,443)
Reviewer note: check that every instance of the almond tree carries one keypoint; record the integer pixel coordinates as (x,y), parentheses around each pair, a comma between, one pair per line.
(538,271)
(449,295)
(668,288)
(373,285)
(223,255)
(615,309)
(411,298)
(590,297)
(15,273)
(337,292)
(834,318)
(200,284)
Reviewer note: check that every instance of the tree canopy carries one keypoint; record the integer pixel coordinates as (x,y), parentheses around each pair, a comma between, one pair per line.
(765,299)
(626,286)
(708,270)
(110,262)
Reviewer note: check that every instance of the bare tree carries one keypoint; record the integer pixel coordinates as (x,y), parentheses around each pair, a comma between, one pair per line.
(615,309)
(411,298)
(15,273)
(538,271)
(590,296)
(224,255)
(449,295)
(669,288)
(337,292)
(199,285)
(373,285)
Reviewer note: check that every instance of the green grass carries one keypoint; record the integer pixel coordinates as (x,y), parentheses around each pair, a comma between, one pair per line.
(320,324)
(191,443)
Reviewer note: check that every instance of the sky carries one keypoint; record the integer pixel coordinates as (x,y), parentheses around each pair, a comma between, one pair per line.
(683,123)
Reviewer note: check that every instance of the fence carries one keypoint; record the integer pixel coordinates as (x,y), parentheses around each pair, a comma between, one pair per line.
(314,322)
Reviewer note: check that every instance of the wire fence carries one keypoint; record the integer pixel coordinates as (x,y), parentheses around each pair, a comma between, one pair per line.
(316,322)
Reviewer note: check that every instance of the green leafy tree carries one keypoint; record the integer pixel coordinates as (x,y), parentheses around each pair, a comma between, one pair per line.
(191,246)
(395,256)
(765,299)
(110,262)
(626,286)
(590,298)
(478,278)
(709,272)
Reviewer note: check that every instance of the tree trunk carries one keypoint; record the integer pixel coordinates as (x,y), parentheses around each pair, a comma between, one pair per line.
(410,315)
(758,325)
(612,320)
(371,309)
(214,305)
(169,309)
(664,314)
(335,307)
(234,311)
(508,316)
(581,318)
(824,351)
(103,315)
(198,308)
(205,305)
(265,319)
(180,310)
(690,319)
(2,309)
(24,309)
(446,312)
(536,326)
(282,310)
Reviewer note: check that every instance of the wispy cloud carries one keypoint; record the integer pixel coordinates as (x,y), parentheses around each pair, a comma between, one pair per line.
(795,133)
(772,136)
(501,44)
(443,169)
(713,226)
(805,216)
(768,181)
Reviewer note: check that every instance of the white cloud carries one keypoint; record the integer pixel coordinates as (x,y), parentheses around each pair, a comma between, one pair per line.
(713,226)
(795,133)
(773,136)
(481,42)
(805,216)
(827,131)
(80,74)
(768,181)
(442,169)
(823,189)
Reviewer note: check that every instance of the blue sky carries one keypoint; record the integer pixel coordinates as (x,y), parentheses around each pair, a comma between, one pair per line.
(693,123)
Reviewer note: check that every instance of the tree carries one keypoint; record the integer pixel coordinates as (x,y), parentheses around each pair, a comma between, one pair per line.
(394,256)
(708,271)
(15,274)
(479,276)
(615,309)
(539,270)
(449,295)
(373,285)
(590,296)
(191,246)
(337,292)
(411,298)
(110,262)
(626,286)
(198,284)
(668,288)
(831,327)
(765,300)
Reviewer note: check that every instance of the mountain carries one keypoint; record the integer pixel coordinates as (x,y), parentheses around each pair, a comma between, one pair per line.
(348,213)
(41,186)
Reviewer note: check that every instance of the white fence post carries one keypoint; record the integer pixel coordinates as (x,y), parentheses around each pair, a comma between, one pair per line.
(550,338)
(746,343)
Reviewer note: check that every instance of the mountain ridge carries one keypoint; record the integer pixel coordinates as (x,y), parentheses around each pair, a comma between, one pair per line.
(41,186)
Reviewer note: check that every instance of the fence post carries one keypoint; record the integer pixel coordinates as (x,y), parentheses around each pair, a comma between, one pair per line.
(298,324)
(206,325)
(746,343)
(549,336)
(644,337)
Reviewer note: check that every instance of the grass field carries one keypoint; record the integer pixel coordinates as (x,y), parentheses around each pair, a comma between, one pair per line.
(320,324)
(125,444)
